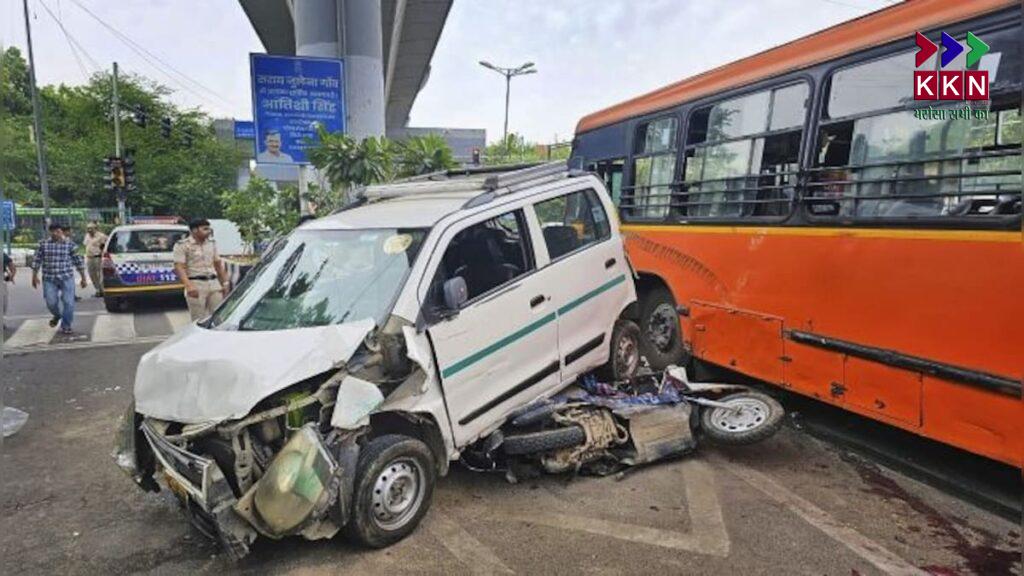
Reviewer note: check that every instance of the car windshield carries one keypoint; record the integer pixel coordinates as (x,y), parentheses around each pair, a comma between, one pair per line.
(322,277)
(144,241)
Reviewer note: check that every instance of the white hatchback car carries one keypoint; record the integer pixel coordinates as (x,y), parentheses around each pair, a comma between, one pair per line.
(371,347)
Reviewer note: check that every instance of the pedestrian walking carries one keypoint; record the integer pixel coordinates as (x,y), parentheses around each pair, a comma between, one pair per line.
(94,243)
(199,268)
(57,258)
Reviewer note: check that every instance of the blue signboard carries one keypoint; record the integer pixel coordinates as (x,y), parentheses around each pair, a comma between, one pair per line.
(245,130)
(290,96)
(7,221)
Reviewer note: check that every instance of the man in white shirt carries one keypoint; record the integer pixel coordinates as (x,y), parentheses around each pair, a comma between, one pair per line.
(272,149)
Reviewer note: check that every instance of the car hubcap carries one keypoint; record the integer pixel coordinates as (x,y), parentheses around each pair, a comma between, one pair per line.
(627,356)
(661,328)
(397,493)
(745,414)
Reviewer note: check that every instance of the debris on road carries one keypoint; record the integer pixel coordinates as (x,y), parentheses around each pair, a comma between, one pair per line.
(12,421)
(604,428)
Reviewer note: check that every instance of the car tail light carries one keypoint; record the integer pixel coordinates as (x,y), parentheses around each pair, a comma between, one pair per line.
(108,265)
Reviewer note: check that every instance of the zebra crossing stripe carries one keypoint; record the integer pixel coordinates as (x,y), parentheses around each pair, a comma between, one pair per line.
(113,328)
(32,332)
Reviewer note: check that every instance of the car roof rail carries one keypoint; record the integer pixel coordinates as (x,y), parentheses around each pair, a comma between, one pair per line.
(493,181)
(498,185)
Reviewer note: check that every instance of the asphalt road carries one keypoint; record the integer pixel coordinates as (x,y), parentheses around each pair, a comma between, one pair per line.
(792,505)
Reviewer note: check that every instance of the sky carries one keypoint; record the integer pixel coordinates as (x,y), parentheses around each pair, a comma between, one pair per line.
(589,53)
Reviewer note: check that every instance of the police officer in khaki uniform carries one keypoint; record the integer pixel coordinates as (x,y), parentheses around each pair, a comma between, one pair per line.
(94,242)
(200,269)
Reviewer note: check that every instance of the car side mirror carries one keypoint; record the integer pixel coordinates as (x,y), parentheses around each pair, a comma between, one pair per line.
(455,293)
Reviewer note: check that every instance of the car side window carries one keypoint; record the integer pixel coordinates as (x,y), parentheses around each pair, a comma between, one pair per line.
(486,255)
(572,221)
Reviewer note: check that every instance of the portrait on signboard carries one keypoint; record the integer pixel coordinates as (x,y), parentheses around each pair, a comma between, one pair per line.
(270,148)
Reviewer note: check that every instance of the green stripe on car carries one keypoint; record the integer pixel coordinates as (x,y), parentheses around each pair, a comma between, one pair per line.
(529,328)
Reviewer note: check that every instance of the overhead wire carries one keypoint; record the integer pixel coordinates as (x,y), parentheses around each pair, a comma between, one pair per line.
(73,44)
(180,78)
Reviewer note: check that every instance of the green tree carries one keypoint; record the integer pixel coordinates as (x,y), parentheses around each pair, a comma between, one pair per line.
(423,155)
(517,150)
(259,209)
(78,128)
(345,163)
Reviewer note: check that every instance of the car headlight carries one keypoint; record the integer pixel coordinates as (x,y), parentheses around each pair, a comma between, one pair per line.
(297,484)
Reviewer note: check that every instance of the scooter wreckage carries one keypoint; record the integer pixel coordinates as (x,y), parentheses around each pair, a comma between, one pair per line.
(602,428)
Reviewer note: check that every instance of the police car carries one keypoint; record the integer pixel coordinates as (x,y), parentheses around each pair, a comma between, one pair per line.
(138,262)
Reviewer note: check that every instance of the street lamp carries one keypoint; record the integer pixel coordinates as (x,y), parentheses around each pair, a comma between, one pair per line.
(508,73)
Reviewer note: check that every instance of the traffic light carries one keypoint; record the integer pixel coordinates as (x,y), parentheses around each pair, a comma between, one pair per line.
(476,156)
(165,127)
(128,165)
(113,173)
(139,116)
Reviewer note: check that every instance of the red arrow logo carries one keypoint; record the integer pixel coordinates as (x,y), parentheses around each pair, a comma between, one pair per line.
(925,50)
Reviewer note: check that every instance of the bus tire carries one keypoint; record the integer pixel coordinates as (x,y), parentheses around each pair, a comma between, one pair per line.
(661,339)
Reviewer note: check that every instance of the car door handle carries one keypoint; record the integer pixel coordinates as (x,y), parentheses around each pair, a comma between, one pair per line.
(537,301)
(609,263)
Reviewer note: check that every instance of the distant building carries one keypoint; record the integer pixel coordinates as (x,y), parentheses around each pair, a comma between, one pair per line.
(462,141)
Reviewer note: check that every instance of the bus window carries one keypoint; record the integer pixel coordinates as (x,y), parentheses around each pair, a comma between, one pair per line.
(742,155)
(610,172)
(876,160)
(654,168)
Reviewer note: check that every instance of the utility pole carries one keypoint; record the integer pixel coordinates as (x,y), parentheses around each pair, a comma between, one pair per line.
(117,149)
(37,121)
(509,73)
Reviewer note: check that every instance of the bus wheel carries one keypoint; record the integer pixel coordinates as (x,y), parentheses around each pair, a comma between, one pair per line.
(662,338)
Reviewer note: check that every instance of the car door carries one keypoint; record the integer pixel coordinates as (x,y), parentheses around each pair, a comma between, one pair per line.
(499,349)
(589,274)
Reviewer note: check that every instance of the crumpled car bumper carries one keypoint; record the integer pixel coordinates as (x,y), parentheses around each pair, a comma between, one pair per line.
(300,486)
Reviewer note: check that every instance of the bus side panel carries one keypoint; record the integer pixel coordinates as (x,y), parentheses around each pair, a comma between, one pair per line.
(946,296)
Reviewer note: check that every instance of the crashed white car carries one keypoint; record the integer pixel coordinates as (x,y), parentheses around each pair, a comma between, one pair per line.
(372,347)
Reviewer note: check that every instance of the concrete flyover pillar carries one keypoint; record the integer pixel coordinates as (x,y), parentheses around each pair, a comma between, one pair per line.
(350,29)
(362,37)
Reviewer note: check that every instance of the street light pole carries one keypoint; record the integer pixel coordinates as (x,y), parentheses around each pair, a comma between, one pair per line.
(509,73)
(37,121)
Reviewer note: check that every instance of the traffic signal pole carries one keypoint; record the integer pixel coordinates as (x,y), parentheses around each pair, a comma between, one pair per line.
(37,121)
(117,148)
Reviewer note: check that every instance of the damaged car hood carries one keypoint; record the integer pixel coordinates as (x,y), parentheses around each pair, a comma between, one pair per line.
(200,375)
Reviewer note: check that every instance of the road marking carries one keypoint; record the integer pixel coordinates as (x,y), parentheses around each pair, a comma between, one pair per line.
(113,328)
(476,557)
(178,319)
(707,534)
(32,332)
(80,345)
(876,554)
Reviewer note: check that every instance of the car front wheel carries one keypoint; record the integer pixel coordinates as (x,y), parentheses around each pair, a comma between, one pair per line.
(394,486)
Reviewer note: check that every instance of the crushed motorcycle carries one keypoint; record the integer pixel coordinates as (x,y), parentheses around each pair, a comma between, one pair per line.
(602,428)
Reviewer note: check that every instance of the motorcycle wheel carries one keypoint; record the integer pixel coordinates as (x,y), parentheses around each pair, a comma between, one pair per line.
(543,441)
(758,417)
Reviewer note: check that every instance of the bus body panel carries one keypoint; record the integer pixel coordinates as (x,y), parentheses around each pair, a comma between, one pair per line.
(949,297)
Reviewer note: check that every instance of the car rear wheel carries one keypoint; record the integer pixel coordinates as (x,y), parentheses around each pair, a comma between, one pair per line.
(624,352)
